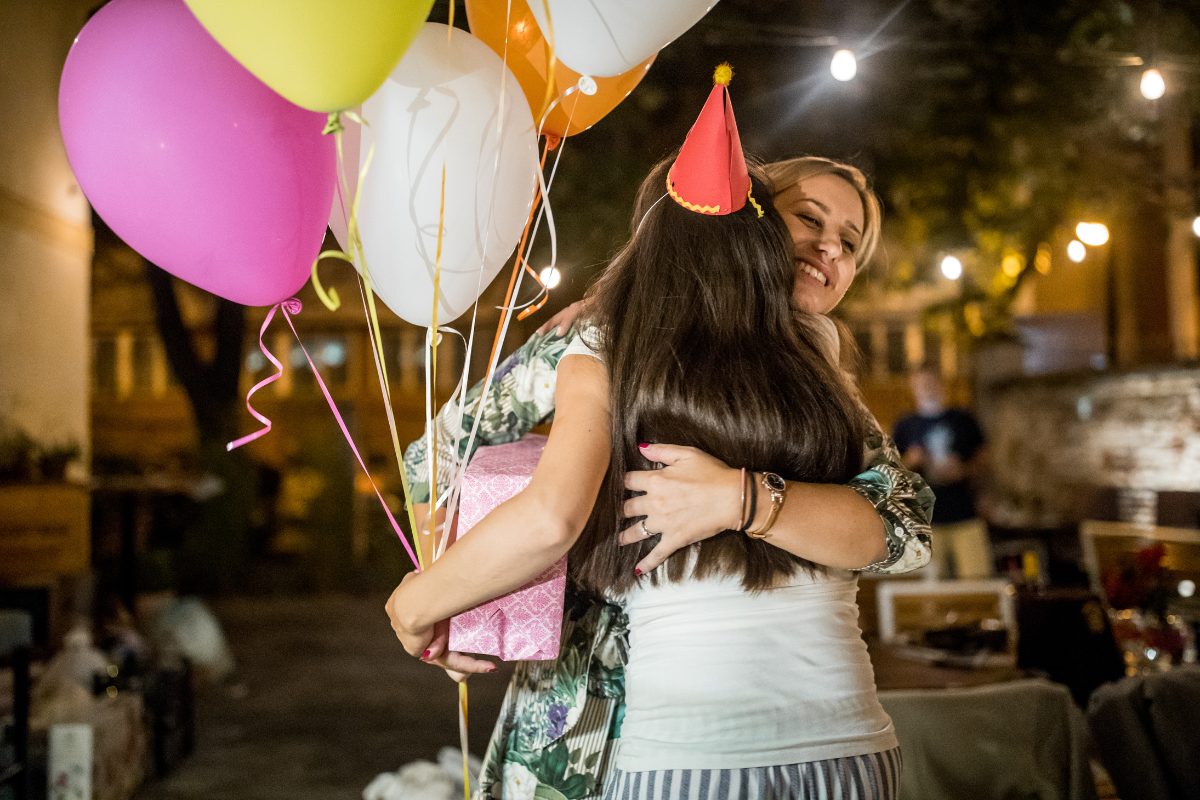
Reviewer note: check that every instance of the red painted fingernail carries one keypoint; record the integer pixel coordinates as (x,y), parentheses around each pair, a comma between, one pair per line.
(425,655)
(643,445)
(637,571)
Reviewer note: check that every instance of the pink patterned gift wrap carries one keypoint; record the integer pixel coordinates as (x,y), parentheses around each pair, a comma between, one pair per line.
(524,625)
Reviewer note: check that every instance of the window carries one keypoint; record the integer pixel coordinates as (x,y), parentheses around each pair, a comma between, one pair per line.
(104,366)
(330,354)
(144,355)
(933,348)
(897,354)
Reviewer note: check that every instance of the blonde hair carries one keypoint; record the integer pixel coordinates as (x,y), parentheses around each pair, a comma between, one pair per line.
(789,172)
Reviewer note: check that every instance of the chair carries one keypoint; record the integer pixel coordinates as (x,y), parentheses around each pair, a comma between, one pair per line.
(1022,738)
(1144,729)
(1065,635)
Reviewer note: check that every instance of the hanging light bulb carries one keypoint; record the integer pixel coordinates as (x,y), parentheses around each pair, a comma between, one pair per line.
(1076,251)
(843,66)
(551,277)
(1153,85)
(952,267)
(1093,234)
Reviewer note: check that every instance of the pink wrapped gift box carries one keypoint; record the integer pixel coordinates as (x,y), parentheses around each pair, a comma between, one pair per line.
(524,625)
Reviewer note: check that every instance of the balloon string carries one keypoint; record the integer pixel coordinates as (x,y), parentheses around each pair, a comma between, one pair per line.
(551,60)
(357,259)
(463,743)
(293,306)
(545,212)
(289,308)
(431,345)
(374,336)
(267,381)
(330,299)
(453,465)
(542,191)
(543,295)
(496,341)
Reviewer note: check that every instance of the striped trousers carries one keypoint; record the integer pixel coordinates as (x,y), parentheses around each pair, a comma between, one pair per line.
(875,776)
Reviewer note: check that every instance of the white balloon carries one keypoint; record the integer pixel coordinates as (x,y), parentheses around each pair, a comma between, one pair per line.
(610,37)
(450,102)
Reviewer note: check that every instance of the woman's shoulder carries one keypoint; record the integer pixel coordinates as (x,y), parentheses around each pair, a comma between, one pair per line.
(585,342)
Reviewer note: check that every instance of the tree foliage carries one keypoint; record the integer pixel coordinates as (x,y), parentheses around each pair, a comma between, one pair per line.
(987,126)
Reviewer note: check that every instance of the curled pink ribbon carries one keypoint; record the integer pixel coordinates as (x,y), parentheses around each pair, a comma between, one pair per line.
(289,308)
(293,306)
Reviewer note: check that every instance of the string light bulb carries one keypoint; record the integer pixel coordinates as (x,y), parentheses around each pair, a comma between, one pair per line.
(1093,234)
(551,277)
(843,66)
(1153,84)
(952,267)
(1076,251)
(1196,226)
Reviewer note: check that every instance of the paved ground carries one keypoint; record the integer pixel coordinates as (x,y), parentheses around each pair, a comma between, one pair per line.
(330,701)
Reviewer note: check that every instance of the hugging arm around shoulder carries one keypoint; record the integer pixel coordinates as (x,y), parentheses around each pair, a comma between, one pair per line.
(528,533)
(903,501)
(901,497)
(830,524)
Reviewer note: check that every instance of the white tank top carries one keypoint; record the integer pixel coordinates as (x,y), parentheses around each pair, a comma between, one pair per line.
(719,677)
(722,678)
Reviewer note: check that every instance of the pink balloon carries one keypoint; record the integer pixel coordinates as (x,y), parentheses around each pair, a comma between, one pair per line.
(189,158)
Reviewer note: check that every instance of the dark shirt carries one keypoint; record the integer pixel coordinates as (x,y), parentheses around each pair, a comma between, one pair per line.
(952,431)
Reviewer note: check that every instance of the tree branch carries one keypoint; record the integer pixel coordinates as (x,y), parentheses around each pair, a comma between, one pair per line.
(226,368)
(176,339)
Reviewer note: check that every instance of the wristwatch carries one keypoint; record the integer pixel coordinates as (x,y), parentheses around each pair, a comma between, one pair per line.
(777,488)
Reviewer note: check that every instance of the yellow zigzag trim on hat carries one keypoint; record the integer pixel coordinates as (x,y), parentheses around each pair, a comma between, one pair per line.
(753,202)
(690,206)
(710,209)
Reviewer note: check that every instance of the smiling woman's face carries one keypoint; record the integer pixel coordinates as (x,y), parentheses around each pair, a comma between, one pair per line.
(825,217)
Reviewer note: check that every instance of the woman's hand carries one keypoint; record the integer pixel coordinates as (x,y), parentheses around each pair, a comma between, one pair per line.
(563,320)
(693,497)
(429,644)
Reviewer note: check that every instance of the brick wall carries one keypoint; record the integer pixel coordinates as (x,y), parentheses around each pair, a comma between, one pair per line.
(1075,447)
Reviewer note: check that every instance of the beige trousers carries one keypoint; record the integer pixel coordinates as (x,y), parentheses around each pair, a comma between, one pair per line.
(961,550)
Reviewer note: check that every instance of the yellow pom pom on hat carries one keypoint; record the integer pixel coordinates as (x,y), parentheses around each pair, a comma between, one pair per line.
(709,176)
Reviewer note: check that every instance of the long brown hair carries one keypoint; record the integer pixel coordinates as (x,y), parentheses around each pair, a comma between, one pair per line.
(704,348)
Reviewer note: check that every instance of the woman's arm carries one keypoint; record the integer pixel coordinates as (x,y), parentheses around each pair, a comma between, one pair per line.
(879,522)
(513,405)
(903,501)
(525,535)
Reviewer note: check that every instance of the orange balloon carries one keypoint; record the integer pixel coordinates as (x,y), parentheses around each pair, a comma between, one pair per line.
(528,58)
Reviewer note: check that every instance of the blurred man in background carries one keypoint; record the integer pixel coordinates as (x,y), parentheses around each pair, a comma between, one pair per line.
(946,446)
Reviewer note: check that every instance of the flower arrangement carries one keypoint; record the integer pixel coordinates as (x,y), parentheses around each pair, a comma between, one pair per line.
(1141,583)
(1140,592)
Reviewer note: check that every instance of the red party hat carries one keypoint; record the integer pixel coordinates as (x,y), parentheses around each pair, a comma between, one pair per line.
(709,176)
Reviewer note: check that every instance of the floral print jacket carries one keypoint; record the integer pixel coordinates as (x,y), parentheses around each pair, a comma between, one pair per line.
(559,718)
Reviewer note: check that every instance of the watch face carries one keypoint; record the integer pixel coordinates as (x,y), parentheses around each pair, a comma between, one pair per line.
(774,482)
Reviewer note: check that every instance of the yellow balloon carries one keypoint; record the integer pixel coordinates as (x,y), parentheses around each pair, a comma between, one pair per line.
(323,55)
